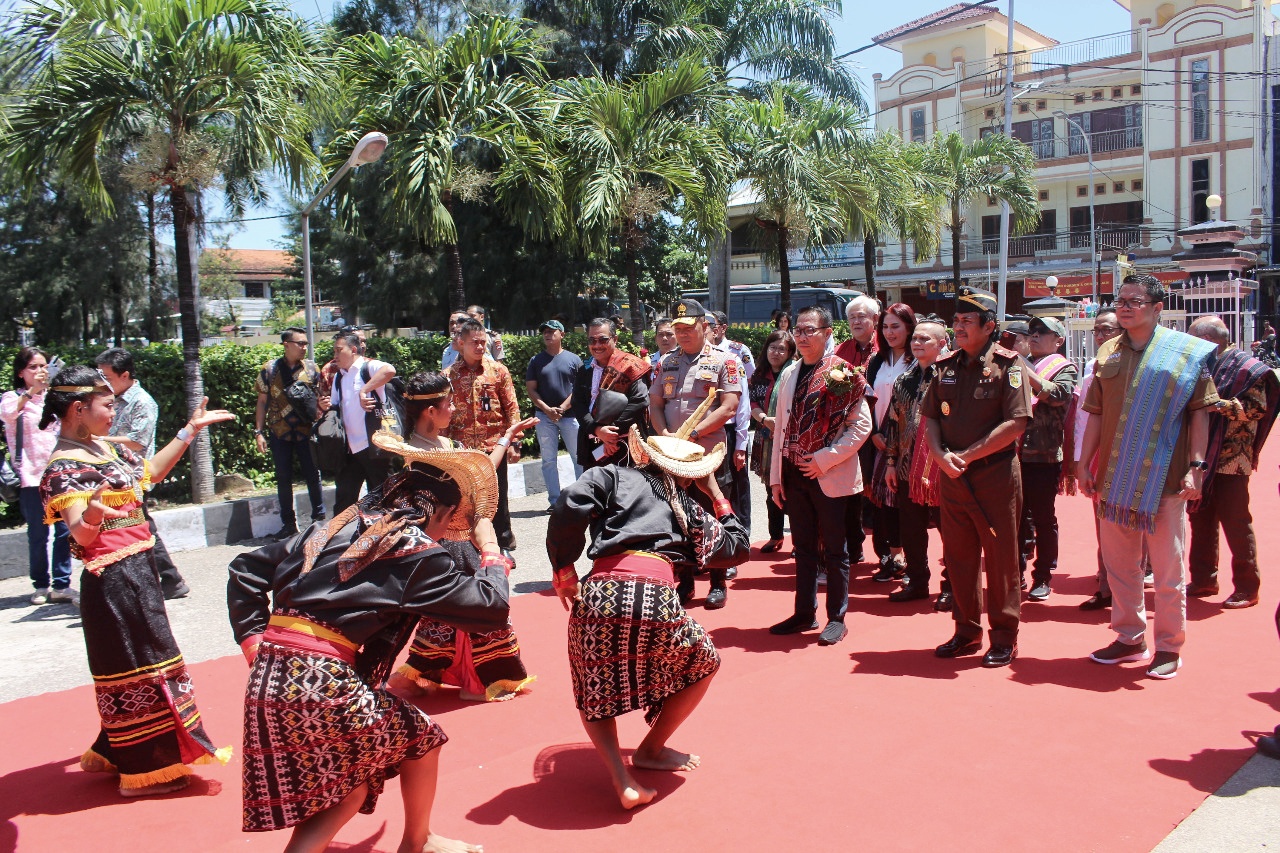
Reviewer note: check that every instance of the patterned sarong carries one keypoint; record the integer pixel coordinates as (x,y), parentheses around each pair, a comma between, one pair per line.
(1163,383)
(314,731)
(481,664)
(151,728)
(631,645)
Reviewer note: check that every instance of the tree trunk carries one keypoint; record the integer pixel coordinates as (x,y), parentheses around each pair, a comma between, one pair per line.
(784,269)
(453,259)
(869,263)
(155,327)
(117,309)
(956,224)
(633,287)
(184,244)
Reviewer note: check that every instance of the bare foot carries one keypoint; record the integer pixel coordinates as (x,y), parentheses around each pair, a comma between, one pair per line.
(634,796)
(408,688)
(667,759)
(158,788)
(440,844)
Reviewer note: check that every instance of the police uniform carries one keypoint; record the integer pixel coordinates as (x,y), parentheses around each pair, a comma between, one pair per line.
(969,398)
(683,382)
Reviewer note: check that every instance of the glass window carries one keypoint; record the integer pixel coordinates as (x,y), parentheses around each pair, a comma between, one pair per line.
(1200,190)
(1200,100)
(917,125)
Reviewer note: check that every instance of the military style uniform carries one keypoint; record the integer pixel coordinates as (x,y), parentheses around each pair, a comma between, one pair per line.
(969,398)
(683,382)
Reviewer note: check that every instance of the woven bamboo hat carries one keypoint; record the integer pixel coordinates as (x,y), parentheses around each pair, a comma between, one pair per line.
(470,469)
(676,454)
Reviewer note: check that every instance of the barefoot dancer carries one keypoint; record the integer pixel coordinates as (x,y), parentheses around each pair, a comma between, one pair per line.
(631,645)
(151,728)
(485,666)
(322,618)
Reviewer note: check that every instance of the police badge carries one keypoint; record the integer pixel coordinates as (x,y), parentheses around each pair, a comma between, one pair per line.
(946,408)
(1015,377)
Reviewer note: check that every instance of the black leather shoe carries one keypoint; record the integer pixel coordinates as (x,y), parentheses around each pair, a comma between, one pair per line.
(771,546)
(958,647)
(833,633)
(178,590)
(731,573)
(944,602)
(794,624)
(716,598)
(910,592)
(1097,601)
(999,656)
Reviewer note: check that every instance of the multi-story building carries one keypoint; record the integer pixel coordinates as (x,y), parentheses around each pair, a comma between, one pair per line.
(1174,110)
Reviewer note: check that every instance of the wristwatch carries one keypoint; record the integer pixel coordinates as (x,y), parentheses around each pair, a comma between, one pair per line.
(1200,463)
(694,435)
(261,432)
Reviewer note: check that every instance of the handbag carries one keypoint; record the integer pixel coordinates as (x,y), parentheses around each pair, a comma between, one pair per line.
(10,479)
(302,397)
(329,442)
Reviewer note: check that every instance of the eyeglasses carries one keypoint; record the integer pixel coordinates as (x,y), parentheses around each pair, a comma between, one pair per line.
(1106,330)
(301,343)
(778,348)
(1133,303)
(807,331)
(599,341)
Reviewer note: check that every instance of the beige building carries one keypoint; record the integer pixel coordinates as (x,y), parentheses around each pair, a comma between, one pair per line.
(1175,109)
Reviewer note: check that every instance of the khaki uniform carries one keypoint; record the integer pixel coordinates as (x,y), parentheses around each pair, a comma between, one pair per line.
(970,398)
(683,382)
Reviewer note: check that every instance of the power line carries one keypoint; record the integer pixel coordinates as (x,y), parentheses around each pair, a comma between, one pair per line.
(929,23)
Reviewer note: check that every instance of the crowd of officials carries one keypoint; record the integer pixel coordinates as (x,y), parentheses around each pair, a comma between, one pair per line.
(975,430)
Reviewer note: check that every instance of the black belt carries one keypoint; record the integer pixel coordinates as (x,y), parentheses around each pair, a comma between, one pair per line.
(999,456)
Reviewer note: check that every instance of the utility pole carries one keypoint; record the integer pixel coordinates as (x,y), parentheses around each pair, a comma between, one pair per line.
(1002,288)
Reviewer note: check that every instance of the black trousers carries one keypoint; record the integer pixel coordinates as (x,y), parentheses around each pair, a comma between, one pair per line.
(740,494)
(170,577)
(360,469)
(777,517)
(502,518)
(1039,498)
(282,454)
(1228,506)
(817,520)
(858,509)
(913,528)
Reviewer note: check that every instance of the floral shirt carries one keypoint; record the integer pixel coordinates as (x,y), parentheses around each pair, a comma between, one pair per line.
(1236,455)
(136,417)
(484,401)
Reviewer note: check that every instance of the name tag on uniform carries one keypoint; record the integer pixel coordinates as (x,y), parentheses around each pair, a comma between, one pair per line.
(948,377)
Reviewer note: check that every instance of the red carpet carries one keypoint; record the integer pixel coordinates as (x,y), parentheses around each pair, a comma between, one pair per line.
(871,744)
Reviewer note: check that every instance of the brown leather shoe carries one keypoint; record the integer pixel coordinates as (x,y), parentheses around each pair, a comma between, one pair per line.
(1238,601)
(1201,591)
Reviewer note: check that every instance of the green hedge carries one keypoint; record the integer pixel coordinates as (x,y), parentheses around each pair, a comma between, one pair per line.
(231,369)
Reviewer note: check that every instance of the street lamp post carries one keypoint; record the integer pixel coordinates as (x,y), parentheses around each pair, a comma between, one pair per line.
(367,150)
(1093,236)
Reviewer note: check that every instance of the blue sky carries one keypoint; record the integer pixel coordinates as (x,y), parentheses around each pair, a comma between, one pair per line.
(1064,21)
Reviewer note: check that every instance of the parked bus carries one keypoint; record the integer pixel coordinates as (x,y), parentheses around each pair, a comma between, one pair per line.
(753,305)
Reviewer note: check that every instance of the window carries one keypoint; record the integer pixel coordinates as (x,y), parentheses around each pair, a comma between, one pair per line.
(1042,105)
(1118,224)
(1024,108)
(1099,189)
(1082,192)
(255,290)
(1117,91)
(1043,239)
(929,59)
(917,125)
(1200,101)
(1044,195)
(1199,191)
(1135,89)
(990,112)
(1136,185)
(1118,187)
(1097,94)
(1079,97)
(1037,133)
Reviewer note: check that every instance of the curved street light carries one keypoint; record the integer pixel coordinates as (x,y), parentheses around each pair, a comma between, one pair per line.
(367,150)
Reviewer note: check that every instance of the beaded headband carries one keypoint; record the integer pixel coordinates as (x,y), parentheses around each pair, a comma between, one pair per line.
(74,389)
(423,397)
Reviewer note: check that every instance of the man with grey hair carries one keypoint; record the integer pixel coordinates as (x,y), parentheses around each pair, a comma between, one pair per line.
(863,314)
(1248,394)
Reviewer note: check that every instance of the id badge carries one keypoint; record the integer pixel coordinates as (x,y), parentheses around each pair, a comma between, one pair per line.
(486,403)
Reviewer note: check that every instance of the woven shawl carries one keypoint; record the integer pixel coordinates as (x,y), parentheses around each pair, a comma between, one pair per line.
(1150,422)
(818,413)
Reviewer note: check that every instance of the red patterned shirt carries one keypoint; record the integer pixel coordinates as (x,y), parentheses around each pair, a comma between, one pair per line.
(484,401)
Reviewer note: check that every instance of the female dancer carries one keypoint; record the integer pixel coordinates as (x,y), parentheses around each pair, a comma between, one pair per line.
(151,729)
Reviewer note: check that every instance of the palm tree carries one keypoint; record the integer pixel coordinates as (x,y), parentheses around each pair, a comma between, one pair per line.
(995,166)
(795,148)
(466,117)
(629,148)
(906,199)
(214,88)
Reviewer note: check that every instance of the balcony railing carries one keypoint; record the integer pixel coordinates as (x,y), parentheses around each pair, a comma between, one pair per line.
(1037,244)
(1102,141)
(1049,59)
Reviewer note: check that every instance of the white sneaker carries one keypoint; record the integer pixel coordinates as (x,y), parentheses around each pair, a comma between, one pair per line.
(40,596)
(66,596)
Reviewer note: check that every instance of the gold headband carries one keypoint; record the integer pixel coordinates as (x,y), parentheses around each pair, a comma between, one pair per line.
(74,389)
(422,397)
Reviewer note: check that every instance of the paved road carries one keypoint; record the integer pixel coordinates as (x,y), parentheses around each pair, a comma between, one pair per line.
(47,654)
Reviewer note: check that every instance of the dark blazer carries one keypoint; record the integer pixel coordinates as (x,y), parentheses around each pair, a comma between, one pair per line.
(635,413)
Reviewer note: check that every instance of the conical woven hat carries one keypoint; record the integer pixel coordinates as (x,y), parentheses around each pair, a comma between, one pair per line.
(470,469)
(676,456)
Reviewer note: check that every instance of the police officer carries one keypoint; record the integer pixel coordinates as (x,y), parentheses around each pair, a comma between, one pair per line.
(973,414)
(740,497)
(684,378)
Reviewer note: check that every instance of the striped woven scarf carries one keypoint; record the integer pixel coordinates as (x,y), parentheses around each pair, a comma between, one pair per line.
(1162,385)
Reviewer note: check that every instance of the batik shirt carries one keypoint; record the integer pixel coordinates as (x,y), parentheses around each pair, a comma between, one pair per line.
(273,378)
(1236,455)
(136,417)
(484,403)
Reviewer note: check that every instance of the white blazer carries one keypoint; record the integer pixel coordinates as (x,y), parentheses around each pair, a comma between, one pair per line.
(841,471)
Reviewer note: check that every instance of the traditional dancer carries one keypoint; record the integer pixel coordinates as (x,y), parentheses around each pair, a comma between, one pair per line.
(151,729)
(485,666)
(631,644)
(322,618)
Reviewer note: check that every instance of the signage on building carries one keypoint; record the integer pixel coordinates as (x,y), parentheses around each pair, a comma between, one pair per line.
(833,255)
(941,288)
(1082,285)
